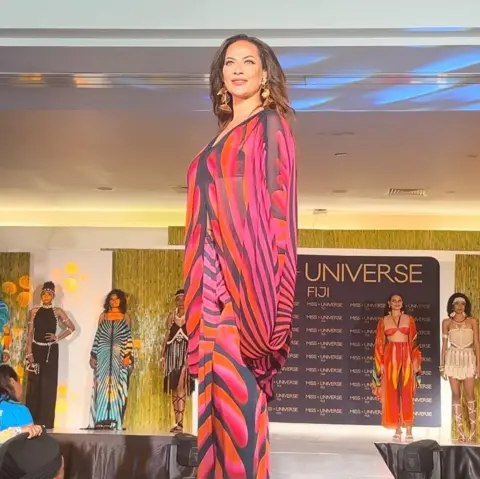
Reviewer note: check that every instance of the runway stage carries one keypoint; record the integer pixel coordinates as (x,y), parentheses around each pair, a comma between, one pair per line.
(112,455)
(298,452)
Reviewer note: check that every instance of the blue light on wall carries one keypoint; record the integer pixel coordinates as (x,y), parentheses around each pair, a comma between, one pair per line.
(307,103)
(399,93)
(450,64)
(292,60)
(461,94)
(470,107)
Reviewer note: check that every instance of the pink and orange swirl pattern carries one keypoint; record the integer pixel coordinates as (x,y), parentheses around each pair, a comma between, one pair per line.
(244,187)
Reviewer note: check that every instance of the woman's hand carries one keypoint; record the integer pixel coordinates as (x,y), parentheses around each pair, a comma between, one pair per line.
(32,430)
(50,338)
(93,363)
(5,357)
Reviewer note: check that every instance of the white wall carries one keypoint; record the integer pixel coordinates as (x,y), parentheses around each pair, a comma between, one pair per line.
(82,279)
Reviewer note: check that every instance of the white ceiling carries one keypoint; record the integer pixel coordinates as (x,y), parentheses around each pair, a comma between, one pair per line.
(56,159)
(58,144)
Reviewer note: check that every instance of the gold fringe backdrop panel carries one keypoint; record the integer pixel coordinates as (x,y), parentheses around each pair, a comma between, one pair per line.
(373,239)
(16,294)
(150,279)
(467,281)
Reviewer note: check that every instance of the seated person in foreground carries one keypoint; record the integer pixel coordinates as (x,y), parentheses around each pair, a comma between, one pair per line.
(36,455)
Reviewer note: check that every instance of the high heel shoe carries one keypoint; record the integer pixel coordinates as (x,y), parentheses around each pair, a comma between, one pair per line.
(472,416)
(457,412)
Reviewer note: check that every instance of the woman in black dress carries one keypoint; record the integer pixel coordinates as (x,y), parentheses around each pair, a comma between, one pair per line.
(42,356)
(176,380)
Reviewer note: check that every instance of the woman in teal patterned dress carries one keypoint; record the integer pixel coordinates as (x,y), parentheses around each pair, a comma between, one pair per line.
(111,359)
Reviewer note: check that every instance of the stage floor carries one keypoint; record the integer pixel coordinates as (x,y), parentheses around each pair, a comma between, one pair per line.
(327,452)
(319,451)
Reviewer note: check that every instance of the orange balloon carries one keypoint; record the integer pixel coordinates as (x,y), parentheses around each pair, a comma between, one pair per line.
(9,288)
(23,299)
(24,282)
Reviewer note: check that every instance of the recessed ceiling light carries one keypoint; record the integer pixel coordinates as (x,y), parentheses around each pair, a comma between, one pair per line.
(320,211)
(450,193)
(341,154)
(339,192)
(104,188)
(335,133)
(179,189)
(472,156)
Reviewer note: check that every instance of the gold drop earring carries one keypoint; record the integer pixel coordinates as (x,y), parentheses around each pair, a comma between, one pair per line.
(224,100)
(266,96)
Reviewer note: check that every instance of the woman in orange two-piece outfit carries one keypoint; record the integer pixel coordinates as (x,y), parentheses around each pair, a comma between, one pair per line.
(397,367)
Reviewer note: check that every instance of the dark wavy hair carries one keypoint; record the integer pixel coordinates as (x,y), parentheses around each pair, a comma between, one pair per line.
(277,83)
(121,296)
(386,311)
(468,304)
(7,373)
(48,285)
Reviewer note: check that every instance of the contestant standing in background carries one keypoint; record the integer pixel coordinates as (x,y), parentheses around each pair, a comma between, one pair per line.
(177,380)
(240,259)
(397,367)
(461,361)
(42,355)
(4,332)
(111,359)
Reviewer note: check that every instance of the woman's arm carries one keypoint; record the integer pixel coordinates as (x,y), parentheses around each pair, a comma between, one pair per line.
(269,263)
(476,343)
(93,352)
(128,320)
(379,351)
(7,434)
(444,344)
(31,430)
(167,333)
(414,348)
(31,319)
(67,323)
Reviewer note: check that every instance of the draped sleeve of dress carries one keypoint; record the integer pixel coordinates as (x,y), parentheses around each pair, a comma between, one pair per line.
(250,201)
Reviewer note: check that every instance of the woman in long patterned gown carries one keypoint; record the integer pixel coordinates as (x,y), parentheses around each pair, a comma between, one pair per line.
(240,259)
(4,332)
(397,367)
(111,359)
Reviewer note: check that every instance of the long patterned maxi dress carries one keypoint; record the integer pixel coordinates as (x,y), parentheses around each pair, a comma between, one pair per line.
(4,328)
(397,366)
(239,289)
(113,350)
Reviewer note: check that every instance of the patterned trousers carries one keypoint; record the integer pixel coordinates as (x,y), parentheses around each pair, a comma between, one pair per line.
(233,436)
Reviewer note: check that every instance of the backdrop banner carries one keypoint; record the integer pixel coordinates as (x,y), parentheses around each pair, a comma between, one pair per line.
(339,300)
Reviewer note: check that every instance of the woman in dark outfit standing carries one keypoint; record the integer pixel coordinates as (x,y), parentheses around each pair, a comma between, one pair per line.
(42,356)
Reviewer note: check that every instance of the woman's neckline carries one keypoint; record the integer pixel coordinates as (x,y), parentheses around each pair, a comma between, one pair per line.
(220,139)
